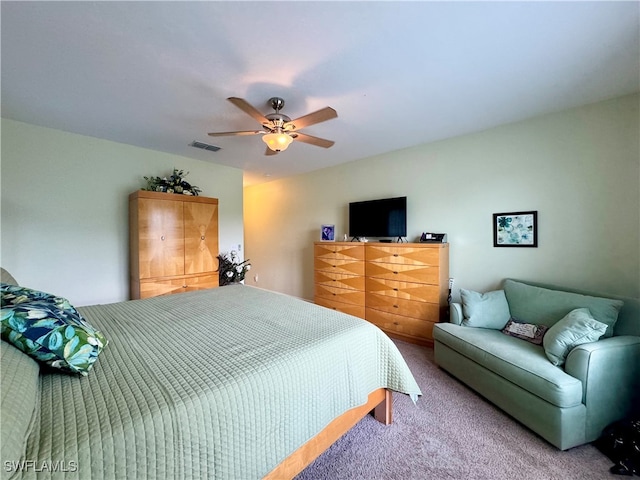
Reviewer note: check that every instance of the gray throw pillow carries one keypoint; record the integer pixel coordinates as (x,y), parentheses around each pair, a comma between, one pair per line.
(576,328)
(484,310)
(6,277)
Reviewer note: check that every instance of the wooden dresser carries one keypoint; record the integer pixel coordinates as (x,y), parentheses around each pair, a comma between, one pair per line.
(173,243)
(405,284)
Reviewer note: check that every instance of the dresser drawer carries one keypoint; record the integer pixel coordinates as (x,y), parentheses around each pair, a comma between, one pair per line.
(403,254)
(353,297)
(403,273)
(338,251)
(355,310)
(397,325)
(408,290)
(406,308)
(353,282)
(350,267)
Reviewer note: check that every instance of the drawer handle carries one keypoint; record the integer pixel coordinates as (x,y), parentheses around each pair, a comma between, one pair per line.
(202,237)
(396,323)
(396,306)
(395,289)
(395,254)
(395,273)
(162,238)
(334,294)
(184,286)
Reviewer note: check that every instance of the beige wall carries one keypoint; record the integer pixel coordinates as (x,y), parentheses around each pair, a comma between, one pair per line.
(580,169)
(64,208)
(64,204)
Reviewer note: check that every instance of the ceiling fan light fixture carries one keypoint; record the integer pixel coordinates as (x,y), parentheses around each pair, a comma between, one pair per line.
(278,130)
(278,142)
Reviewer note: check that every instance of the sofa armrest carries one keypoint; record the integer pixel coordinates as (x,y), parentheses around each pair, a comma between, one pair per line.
(609,370)
(455,313)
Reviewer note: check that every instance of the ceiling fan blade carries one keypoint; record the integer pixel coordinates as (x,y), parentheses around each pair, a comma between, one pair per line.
(317,141)
(322,115)
(245,132)
(268,151)
(249,109)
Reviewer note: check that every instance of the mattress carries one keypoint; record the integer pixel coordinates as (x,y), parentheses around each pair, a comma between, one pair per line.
(222,383)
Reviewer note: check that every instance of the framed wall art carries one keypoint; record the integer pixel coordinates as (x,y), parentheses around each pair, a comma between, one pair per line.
(517,229)
(327,233)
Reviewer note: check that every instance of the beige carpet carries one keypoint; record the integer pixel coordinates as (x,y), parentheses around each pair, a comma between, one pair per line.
(451,433)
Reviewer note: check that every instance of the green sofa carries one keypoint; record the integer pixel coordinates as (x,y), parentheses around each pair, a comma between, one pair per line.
(568,405)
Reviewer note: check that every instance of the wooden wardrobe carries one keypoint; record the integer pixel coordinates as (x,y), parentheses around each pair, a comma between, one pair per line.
(173,241)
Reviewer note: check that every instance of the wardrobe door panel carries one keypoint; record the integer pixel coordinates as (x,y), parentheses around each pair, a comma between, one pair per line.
(161,238)
(200,237)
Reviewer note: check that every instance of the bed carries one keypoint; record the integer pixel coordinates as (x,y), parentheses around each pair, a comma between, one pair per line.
(228,383)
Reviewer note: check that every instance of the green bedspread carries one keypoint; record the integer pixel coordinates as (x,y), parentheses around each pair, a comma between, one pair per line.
(222,383)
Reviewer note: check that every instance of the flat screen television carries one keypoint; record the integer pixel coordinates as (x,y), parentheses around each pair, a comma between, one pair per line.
(385,217)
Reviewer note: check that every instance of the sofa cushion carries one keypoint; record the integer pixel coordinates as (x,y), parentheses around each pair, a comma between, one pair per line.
(484,310)
(576,328)
(522,363)
(544,306)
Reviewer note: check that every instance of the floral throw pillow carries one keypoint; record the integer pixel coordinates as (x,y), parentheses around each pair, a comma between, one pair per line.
(49,329)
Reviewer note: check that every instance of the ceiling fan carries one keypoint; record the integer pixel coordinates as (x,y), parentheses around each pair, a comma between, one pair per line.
(278,130)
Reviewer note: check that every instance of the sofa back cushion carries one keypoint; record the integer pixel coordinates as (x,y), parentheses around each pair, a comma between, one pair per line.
(629,318)
(544,306)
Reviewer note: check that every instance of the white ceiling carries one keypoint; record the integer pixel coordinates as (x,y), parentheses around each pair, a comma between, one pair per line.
(157,74)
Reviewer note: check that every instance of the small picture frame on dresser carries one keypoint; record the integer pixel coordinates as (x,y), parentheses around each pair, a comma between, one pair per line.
(328,233)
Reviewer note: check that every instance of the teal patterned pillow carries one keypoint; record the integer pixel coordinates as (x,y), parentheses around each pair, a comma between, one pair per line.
(49,329)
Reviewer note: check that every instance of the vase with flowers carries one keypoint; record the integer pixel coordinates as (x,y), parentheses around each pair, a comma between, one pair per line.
(231,268)
(174,183)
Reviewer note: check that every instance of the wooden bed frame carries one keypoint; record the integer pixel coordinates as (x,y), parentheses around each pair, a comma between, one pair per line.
(379,401)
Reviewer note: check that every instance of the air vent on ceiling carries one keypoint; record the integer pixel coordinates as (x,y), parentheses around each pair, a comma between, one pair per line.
(204,146)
